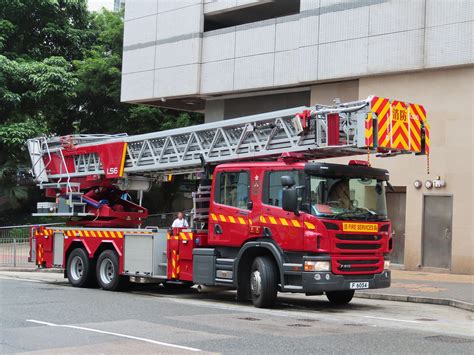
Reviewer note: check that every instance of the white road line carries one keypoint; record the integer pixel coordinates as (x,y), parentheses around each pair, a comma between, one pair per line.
(114,334)
(393,319)
(18,279)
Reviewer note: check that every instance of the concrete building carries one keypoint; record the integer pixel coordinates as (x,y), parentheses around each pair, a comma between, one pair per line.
(118,4)
(229,58)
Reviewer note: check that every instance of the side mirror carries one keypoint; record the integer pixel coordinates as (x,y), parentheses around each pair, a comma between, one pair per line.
(290,200)
(287,181)
(390,187)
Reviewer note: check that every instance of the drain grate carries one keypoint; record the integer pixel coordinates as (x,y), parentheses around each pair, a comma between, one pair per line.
(353,324)
(427,319)
(449,339)
(298,325)
(307,320)
(250,319)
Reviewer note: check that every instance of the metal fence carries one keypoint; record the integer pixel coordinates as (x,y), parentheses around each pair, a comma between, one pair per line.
(14,245)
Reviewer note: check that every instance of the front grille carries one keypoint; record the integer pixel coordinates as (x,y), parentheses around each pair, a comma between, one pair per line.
(346,246)
(357,265)
(357,242)
(363,237)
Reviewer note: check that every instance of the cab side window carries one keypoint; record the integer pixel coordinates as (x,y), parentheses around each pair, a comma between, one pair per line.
(232,189)
(273,190)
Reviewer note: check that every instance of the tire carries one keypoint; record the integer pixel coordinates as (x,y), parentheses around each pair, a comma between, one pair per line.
(340,297)
(107,272)
(80,269)
(263,282)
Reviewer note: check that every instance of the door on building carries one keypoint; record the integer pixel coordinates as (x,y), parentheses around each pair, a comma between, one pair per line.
(396,207)
(437,235)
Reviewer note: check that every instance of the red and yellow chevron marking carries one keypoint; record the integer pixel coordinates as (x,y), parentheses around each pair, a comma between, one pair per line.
(270,220)
(39,257)
(415,129)
(369,130)
(186,235)
(400,135)
(230,219)
(174,264)
(381,107)
(419,110)
(427,138)
(93,233)
(400,125)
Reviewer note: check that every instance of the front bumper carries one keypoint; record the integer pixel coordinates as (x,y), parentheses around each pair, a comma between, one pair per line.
(327,281)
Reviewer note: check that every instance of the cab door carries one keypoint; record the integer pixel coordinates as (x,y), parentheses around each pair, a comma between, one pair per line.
(286,228)
(229,213)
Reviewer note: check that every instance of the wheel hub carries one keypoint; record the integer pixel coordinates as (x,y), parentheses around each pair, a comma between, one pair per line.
(107,271)
(77,268)
(255,283)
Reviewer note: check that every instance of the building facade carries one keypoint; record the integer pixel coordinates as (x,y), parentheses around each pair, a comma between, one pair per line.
(230,58)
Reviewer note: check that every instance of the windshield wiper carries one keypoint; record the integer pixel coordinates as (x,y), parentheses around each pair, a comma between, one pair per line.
(359,212)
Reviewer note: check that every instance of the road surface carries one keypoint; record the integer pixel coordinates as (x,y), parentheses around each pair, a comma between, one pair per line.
(41,313)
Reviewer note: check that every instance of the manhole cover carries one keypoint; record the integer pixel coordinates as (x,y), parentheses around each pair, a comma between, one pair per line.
(250,319)
(449,339)
(308,320)
(298,325)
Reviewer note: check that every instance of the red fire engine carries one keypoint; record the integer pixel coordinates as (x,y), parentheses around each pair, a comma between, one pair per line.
(268,215)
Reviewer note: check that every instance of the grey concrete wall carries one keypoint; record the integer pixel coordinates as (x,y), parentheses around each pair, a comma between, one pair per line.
(162,49)
(327,40)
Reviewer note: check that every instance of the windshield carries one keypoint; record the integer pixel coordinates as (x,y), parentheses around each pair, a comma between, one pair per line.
(348,198)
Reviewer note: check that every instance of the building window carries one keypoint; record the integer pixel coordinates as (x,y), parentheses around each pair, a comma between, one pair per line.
(232,189)
(254,13)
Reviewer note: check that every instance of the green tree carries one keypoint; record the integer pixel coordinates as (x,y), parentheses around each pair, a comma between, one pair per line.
(38,29)
(60,73)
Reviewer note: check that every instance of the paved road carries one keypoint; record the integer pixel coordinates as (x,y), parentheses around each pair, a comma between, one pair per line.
(40,313)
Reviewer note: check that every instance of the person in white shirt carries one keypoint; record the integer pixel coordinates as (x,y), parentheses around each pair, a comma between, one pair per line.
(180,222)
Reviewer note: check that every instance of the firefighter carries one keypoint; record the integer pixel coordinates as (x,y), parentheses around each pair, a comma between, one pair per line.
(180,222)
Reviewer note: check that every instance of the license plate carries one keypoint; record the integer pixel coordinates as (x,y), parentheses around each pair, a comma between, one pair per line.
(358,285)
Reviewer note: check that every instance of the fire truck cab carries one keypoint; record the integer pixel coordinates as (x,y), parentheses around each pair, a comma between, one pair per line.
(297,226)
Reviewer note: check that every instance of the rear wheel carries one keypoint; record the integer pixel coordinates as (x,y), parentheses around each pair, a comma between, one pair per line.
(80,269)
(263,282)
(340,297)
(107,272)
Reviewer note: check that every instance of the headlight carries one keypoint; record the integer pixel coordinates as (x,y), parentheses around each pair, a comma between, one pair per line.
(386,264)
(317,266)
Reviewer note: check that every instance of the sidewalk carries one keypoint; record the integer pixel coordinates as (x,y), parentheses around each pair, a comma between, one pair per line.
(407,286)
(423,287)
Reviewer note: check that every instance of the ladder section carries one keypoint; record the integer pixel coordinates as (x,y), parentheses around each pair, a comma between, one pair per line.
(319,132)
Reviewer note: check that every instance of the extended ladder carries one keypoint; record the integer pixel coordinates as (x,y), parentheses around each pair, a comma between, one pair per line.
(319,132)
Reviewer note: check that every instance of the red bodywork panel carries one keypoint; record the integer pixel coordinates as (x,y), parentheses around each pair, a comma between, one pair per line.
(111,155)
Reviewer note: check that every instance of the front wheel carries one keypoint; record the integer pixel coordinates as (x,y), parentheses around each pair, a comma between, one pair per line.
(80,269)
(107,271)
(263,282)
(340,297)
